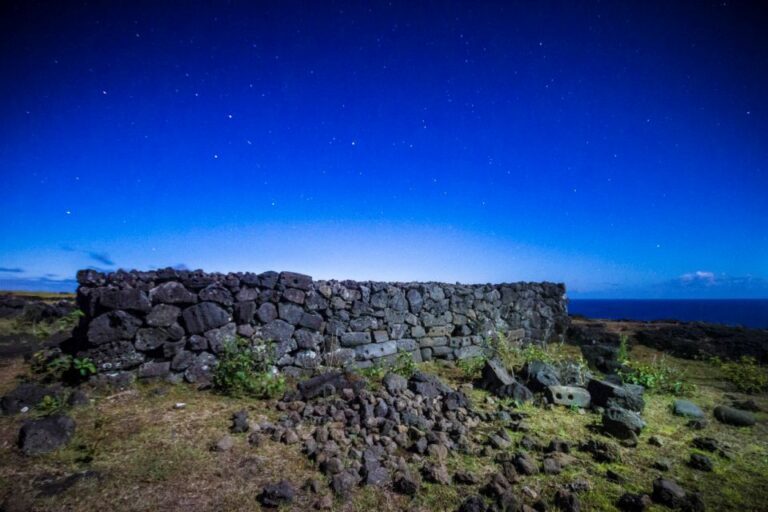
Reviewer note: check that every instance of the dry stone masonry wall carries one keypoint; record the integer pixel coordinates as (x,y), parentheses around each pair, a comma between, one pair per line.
(174,323)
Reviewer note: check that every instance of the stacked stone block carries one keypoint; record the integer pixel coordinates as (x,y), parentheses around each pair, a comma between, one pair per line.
(177,322)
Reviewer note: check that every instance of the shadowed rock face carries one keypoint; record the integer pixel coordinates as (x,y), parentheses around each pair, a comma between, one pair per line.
(37,437)
(694,340)
(154,316)
(33,309)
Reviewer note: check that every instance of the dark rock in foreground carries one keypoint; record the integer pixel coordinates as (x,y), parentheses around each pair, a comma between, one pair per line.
(687,408)
(277,494)
(44,435)
(27,395)
(735,417)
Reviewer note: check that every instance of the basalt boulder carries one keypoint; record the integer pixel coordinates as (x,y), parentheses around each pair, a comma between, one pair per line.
(204,317)
(45,435)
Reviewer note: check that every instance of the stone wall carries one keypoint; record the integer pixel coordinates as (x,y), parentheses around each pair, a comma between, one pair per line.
(170,322)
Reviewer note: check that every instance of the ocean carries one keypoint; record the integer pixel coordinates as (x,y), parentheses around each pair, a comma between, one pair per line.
(744,312)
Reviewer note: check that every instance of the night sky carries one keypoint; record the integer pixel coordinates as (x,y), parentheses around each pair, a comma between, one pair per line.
(620,147)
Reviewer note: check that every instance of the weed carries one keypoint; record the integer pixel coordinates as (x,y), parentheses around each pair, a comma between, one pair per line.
(55,366)
(657,376)
(746,374)
(623,354)
(373,373)
(247,370)
(45,328)
(405,365)
(49,405)
(513,356)
(84,366)
(58,368)
(472,367)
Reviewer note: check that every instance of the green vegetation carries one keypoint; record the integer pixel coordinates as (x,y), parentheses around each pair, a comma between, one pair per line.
(247,370)
(471,367)
(657,376)
(46,329)
(514,356)
(40,329)
(53,366)
(373,374)
(49,405)
(152,456)
(746,374)
(623,354)
(405,365)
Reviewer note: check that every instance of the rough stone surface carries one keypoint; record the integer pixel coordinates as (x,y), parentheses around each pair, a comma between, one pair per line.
(608,394)
(44,435)
(28,395)
(277,494)
(687,408)
(621,423)
(204,316)
(113,326)
(669,493)
(735,417)
(569,396)
(145,316)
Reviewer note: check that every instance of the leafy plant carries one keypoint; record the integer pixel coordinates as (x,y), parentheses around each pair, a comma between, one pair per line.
(49,405)
(84,366)
(58,368)
(657,376)
(514,356)
(500,347)
(746,374)
(373,373)
(405,365)
(471,366)
(45,328)
(623,353)
(247,370)
(69,321)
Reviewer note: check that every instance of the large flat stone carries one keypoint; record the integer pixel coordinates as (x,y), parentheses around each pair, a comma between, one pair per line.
(376,350)
(204,317)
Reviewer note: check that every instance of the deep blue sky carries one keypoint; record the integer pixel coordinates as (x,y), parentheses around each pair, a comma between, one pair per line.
(620,147)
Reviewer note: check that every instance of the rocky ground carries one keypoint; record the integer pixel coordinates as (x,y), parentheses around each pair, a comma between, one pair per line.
(545,434)
(27,319)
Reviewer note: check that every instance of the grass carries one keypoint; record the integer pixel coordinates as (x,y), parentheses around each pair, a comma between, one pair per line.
(152,456)
(47,296)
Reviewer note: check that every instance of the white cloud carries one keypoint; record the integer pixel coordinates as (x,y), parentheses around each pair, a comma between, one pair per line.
(700,276)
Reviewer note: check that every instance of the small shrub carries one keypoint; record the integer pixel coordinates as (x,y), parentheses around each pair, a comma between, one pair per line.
(535,352)
(57,368)
(45,328)
(746,374)
(500,347)
(405,365)
(68,321)
(49,405)
(513,356)
(623,353)
(373,374)
(471,367)
(657,376)
(84,366)
(245,370)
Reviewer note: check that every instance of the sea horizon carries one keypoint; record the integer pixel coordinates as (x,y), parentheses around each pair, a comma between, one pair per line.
(751,312)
